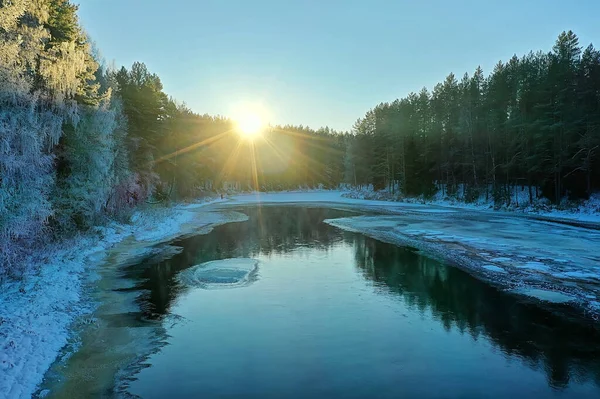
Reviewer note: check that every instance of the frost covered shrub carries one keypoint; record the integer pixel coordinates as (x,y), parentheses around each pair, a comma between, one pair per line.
(88,153)
(29,127)
(120,199)
(47,88)
(26,172)
(123,198)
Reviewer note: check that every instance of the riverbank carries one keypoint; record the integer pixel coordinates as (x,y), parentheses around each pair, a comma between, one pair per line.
(545,259)
(583,211)
(37,312)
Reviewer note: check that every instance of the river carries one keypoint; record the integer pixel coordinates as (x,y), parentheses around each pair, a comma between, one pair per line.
(308,310)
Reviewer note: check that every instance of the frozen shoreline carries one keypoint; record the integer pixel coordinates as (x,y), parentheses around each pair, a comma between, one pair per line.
(37,313)
(549,257)
(522,264)
(586,211)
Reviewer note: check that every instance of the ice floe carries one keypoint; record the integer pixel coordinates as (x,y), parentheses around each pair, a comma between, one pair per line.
(225,273)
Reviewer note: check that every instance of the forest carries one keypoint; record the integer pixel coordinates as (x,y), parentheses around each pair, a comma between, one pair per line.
(533,122)
(82,143)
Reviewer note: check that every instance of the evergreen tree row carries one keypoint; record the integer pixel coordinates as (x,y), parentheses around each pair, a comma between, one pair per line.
(533,122)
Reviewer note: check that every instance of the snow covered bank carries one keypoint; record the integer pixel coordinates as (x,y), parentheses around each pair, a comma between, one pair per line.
(291,197)
(534,258)
(336,198)
(586,211)
(37,313)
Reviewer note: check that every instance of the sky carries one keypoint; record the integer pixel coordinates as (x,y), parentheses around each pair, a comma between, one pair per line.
(322,62)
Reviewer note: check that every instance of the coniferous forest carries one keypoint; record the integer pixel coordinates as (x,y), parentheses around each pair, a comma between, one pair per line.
(82,143)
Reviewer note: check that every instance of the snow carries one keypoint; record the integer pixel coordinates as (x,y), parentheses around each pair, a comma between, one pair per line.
(156,230)
(582,211)
(290,197)
(544,295)
(333,198)
(219,274)
(499,259)
(586,212)
(166,222)
(37,313)
(200,203)
(539,266)
(589,211)
(494,268)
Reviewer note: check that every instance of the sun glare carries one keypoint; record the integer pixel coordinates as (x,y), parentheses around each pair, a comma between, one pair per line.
(251,120)
(250,124)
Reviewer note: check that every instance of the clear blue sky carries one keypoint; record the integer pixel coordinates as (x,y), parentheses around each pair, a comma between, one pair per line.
(322,62)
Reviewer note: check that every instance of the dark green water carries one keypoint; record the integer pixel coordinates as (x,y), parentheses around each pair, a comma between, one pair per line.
(330,314)
(334,314)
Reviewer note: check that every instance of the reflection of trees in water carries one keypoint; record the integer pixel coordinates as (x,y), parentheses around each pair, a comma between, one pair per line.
(566,349)
(269,230)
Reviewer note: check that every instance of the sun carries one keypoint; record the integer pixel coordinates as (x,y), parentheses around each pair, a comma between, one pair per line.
(251,119)
(250,124)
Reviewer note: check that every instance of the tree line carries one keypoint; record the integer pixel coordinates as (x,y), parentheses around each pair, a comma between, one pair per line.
(82,143)
(534,122)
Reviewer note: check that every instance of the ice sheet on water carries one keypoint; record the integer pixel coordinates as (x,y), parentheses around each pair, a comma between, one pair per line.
(494,268)
(539,266)
(224,273)
(591,275)
(544,295)
(501,259)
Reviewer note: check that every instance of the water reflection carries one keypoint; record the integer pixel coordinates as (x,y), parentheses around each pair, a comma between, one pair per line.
(567,350)
(284,229)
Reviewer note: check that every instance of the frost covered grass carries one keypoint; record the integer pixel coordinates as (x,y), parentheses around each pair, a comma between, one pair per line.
(38,311)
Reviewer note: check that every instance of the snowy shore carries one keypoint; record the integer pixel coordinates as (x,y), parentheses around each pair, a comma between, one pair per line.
(549,260)
(37,313)
(582,211)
